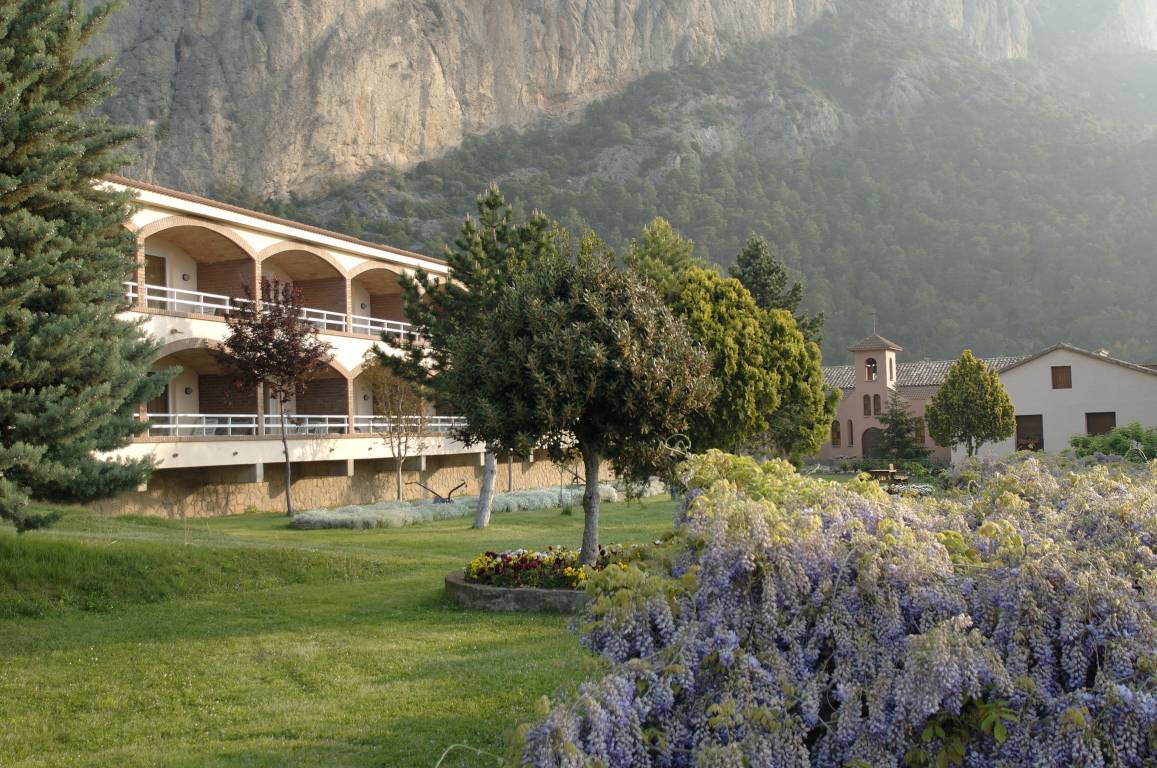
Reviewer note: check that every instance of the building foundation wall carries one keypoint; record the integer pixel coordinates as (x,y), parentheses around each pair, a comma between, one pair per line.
(220,491)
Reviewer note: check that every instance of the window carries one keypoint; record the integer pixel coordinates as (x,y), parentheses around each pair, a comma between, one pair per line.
(891,370)
(836,434)
(851,434)
(155,270)
(867,405)
(1030,433)
(920,434)
(1062,377)
(870,369)
(876,405)
(1100,423)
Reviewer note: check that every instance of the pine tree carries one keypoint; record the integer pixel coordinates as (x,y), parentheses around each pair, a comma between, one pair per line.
(662,256)
(488,253)
(971,407)
(767,279)
(898,441)
(71,372)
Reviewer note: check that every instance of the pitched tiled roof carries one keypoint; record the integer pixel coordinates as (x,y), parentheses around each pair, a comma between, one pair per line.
(874,342)
(924,373)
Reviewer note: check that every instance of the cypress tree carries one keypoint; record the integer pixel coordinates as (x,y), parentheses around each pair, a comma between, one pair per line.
(71,372)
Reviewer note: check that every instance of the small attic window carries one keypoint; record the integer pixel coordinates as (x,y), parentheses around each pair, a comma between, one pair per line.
(1062,377)
(891,370)
(871,369)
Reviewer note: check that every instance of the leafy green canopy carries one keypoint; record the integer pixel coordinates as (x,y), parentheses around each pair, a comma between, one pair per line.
(770,388)
(722,316)
(538,346)
(1133,441)
(71,372)
(971,407)
(579,352)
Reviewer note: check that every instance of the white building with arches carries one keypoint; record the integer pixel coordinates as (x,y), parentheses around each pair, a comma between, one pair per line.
(217,450)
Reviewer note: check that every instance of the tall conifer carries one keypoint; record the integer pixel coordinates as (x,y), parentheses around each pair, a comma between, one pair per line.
(71,372)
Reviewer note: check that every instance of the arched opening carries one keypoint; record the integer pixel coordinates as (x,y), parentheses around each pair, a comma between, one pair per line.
(891,370)
(921,434)
(851,434)
(867,405)
(200,400)
(195,269)
(322,285)
(875,405)
(871,442)
(871,370)
(321,407)
(836,434)
(376,299)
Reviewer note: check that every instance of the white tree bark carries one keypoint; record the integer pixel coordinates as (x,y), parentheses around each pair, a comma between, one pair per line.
(486,495)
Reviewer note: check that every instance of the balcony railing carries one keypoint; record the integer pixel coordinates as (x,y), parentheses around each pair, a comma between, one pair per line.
(304,424)
(216,305)
(245,424)
(201,424)
(324,319)
(374,326)
(180,300)
(436,425)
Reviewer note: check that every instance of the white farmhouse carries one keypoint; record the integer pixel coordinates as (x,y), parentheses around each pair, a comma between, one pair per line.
(1066,391)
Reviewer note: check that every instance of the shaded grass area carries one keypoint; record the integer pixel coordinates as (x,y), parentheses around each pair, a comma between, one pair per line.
(264,646)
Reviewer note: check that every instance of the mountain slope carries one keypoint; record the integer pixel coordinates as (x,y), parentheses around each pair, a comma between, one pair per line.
(280,95)
(967,202)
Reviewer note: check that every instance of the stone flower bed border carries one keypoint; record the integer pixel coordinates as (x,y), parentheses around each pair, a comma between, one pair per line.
(523,599)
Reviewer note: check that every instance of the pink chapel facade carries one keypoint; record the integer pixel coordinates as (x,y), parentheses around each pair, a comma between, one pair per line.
(866,386)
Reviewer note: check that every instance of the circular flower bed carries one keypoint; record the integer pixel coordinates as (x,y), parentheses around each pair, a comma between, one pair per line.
(554,568)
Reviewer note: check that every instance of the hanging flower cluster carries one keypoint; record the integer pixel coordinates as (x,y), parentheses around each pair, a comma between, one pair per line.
(799,623)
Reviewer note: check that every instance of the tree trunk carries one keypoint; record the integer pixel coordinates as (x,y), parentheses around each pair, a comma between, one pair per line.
(486,495)
(398,462)
(591,461)
(285,451)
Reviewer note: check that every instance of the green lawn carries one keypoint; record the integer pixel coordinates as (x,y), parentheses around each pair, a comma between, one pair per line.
(239,642)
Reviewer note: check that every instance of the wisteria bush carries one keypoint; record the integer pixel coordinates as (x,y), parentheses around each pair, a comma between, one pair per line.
(797,622)
(397,514)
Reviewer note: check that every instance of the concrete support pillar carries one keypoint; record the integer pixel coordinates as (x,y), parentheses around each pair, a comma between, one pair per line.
(349,467)
(259,473)
(261,400)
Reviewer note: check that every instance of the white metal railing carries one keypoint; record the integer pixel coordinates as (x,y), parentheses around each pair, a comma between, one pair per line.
(180,300)
(201,424)
(323,319)
(374,326)
(306,424)
(437,425)
(245,424)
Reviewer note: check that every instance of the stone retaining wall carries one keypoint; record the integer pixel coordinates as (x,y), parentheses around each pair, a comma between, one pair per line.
(217,491)
(523,599)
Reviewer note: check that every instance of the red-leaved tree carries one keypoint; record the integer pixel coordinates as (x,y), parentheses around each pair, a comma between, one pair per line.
(270,344)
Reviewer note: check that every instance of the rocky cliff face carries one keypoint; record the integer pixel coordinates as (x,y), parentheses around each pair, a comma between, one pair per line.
(277,95)
(273,94)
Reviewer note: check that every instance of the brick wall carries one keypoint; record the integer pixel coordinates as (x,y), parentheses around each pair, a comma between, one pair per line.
(323,294)
(324,397)
(219,395)
(387,307)
(227,278)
